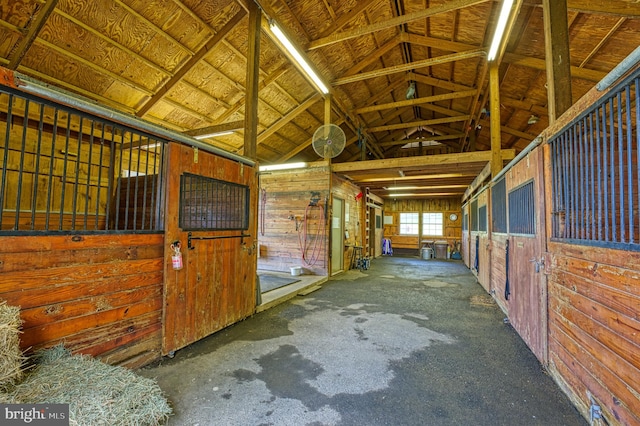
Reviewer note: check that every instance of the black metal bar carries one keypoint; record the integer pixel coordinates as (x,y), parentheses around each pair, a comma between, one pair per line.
(89,167)
(36,172)
(51,160)
(592,175)
(23,149)
(637,126)
(190,237)
(64,172)
(614,230)
(5,160)
(599,175)
(630,233)
(137,186)
(621,168)
(605,162)
(144,189)
(110,179)
(118,179)
(76,185)
(99,191)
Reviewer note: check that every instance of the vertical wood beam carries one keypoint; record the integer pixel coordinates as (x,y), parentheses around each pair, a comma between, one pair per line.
(253,75)
(327,109)
(558,63)
(494,101)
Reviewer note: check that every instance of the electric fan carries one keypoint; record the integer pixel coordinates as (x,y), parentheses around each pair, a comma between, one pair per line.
(328,141)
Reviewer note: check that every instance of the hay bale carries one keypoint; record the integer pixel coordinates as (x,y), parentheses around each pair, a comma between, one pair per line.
(97,393)
(11,358)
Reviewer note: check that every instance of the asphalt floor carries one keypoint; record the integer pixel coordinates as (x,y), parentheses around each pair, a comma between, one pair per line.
(407,342)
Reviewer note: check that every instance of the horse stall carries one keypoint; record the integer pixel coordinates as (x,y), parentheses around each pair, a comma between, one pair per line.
(518,249)
(479,243)
(465,242)
(94,208)
(308,218)
(593,225)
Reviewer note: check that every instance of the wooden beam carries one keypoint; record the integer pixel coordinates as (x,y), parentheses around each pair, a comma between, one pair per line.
(510,131)
(624,8)
(428,138)
(417,101)
(478,181)
(411,66)
(287,118)
(422,161)
(35,26)
(418,123)
(160,93)
(338,24)
(558,61)
(601,43)
(540,64)
(252,81)
(436,82)
(393,22)
(218,128)
(373,56)
(494,102)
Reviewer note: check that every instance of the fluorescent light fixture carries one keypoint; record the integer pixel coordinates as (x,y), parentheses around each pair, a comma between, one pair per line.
(425,195)
(502,24)
(211,135)
(298,57)
(285,166)
(408,188)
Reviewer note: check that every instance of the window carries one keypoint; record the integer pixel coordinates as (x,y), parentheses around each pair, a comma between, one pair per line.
(522,209)
(432,224)
(208,204)
(499,206)
(482,218)
(473,212)
(409,223)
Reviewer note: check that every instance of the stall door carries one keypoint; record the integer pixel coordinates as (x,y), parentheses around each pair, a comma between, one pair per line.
(527,301)
(210,214)
(337,236)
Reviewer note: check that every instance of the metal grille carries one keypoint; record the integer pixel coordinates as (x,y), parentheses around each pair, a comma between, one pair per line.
(482,218)
(212,204)
(522,219)
(473,211)
(64,170)
(499,206)
(595,174)
(465,222)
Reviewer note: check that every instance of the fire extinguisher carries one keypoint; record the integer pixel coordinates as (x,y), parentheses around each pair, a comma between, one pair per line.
(176,257)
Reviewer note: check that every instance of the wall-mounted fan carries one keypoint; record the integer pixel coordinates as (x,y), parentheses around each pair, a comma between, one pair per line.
(328,141)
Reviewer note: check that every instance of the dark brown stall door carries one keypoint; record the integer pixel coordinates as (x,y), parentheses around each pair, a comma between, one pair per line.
(216,286)
(527,303)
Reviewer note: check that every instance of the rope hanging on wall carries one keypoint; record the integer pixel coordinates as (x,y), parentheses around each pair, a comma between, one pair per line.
(316,243)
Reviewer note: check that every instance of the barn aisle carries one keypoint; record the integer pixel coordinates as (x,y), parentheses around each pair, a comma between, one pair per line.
(407,342)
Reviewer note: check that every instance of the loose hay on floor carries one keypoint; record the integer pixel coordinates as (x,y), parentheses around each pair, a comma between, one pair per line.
(11,358)
(97,393)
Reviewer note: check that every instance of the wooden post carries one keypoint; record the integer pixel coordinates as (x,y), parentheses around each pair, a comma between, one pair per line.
(494,100)
(253,69)
(558,64)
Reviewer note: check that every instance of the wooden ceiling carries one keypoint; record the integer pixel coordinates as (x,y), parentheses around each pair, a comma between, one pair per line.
(183,64)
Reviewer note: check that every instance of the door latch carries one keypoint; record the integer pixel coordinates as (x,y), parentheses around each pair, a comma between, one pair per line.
(538,263)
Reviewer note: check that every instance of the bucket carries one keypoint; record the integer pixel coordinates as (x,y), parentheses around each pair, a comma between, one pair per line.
(296,270)
(426,253)
(441,249)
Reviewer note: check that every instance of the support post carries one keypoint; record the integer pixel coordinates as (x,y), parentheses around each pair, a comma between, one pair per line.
(494,100)
(253,69)
(558,61)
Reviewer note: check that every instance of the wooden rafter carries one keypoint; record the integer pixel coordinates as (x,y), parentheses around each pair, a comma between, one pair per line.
(428,138)
(417,101)
(34,29)
(290,116)
(342,20)
(410,66)
(393,22)
(197,57)
(418,123)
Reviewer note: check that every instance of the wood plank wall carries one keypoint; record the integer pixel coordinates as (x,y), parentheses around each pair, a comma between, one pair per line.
(594,324)
(347,191)
(452,230)
(98,294)
(282,208)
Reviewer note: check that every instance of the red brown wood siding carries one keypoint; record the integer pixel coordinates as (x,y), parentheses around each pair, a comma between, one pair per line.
(98,294)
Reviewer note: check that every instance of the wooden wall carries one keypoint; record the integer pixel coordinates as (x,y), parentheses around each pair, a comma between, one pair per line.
(452,230)
(283,205)
(98,294)
(594,328)
(347,191)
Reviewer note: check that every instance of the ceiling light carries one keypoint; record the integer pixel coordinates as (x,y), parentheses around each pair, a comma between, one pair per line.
(502,24)
(211,135)
(284,166)
(301,62)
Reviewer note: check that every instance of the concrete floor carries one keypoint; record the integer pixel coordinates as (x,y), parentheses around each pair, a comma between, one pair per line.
(408,342)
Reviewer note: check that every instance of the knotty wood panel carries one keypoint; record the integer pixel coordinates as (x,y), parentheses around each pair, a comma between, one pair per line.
(287,195)
(216,287)
(593,327)
(99,294)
